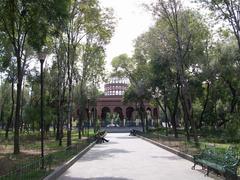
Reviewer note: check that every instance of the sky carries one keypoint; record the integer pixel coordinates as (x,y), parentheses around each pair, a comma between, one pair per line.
(132,20)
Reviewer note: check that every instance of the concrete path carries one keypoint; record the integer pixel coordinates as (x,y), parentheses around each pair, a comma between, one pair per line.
(130,158)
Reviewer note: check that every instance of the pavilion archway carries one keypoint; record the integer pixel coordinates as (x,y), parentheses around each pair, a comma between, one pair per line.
(149,116)
(119,111)
(104,115)
(93,116)
(129,113)
(155,117)
(129,116)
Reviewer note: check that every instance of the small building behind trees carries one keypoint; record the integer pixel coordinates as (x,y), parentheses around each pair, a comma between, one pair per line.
(111,110)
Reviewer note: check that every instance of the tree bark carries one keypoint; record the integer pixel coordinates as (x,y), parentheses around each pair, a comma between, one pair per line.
(59,100)
(21,108)
(69,100)
(204,107)
(10,119)
(234,97)
(187,109)
(2,117)
(165,115)
(173,116)
(18,106)
(142,109)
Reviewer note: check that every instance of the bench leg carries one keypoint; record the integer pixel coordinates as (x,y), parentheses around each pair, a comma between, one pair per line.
(193,167)
(207,172)
(230,176)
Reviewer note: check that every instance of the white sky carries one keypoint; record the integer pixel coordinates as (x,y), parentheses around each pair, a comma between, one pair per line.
(133,20)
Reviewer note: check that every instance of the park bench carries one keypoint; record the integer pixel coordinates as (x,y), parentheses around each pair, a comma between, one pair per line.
(224,163)
(133,132)
(100,137)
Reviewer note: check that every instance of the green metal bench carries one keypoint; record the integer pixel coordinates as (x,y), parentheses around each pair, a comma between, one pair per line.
(224,163)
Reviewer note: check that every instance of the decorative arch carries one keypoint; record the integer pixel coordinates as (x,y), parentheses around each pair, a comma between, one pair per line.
(149,109)
(119,111)
(105,110)
(155,113)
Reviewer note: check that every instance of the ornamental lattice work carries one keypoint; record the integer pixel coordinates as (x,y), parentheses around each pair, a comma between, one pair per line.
(116,87)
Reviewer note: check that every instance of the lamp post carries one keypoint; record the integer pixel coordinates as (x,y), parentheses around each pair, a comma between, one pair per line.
(42,57)
(88,115)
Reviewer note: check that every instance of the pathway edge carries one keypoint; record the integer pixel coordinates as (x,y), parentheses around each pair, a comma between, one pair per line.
(179,153)
(61,169)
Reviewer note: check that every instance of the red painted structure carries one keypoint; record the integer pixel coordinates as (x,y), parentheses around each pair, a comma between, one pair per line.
(112,102)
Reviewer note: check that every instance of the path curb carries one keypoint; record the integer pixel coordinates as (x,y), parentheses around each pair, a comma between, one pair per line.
(181,154)
(60,170)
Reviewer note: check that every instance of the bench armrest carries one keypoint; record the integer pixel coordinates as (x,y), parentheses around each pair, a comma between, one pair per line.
(233,166)
(197,156)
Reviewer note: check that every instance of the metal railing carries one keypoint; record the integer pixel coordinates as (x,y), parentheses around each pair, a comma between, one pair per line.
(31,169)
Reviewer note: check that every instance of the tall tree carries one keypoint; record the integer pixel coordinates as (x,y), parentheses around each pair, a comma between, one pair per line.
(226,10)
(87,30)
(26,22)
(184,36)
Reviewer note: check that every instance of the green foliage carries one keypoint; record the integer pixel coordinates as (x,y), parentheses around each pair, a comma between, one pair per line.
(197,109)
(98,125)
(233,127)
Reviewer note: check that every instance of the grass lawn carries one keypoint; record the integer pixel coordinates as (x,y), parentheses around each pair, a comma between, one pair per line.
(30,146)
(189,147)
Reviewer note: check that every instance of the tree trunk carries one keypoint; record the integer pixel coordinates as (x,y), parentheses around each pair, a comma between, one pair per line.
(204,106)
(61,116)
(82,106)
(234,97)
(58,110)
(69,100)
(2,117)
(173,116)
(165,115)
(142,109)
(21,109)
(186,122)
(18,106)
(12,110)
(33,126)
(54,126)
(80,117)
(187,106)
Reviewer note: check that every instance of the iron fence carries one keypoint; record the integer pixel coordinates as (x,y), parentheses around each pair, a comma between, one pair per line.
(31,169)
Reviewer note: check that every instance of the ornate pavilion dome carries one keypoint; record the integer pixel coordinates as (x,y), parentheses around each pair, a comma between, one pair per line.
(116,87)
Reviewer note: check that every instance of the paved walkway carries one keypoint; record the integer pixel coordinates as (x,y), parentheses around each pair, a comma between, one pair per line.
(130,158)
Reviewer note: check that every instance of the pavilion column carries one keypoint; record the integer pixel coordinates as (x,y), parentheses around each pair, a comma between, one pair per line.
(151,116)
(124,116)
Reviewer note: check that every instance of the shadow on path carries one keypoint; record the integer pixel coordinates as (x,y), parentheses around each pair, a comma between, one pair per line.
(127,137)
(96,178)
(168,157)
(96,154)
